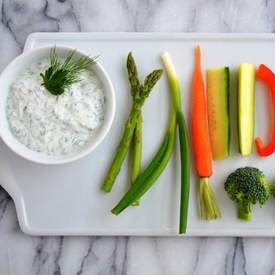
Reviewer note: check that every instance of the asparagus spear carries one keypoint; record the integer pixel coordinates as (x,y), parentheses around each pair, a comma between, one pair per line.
(137,140)
(139,93)
(137,153)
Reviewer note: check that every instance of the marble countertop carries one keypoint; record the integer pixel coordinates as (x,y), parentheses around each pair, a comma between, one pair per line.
(24,255)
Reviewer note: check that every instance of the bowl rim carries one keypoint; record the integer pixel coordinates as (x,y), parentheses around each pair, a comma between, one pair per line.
(40,158)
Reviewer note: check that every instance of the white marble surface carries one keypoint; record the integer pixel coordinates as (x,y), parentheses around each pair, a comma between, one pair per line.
(24,255)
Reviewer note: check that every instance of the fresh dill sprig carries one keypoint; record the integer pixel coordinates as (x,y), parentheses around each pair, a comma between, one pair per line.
(60,76)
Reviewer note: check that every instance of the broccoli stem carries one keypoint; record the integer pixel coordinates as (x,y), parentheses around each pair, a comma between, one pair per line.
(209,208)
(245,211)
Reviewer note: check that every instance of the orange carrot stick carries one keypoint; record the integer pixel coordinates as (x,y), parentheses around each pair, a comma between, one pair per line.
(209,208)
(201,142)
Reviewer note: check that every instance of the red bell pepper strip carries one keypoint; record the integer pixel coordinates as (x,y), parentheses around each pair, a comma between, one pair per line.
(265,75)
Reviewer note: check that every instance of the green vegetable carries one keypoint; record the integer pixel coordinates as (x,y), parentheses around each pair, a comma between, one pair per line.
(218,111)
(247,186)
(151,173)
(137,152)
(137,139)
(184,144)
(139,93)
(59,76)
(246,108)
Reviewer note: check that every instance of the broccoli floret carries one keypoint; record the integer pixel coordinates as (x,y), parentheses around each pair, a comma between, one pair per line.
(247,186)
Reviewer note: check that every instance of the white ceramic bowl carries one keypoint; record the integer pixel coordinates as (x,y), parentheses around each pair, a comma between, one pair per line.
(14,69)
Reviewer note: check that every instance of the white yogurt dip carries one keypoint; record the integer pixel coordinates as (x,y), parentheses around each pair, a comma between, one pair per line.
(55,125)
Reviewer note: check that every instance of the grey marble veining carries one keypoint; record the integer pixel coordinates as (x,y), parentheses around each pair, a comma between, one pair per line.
(24,255)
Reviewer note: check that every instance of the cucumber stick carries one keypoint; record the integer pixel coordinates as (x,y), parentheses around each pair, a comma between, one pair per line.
(246,107)
(218,111)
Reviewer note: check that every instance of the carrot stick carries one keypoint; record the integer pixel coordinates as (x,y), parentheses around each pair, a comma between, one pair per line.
(202,147)
(209,208)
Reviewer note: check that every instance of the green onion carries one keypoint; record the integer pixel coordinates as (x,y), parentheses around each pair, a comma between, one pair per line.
(183,138)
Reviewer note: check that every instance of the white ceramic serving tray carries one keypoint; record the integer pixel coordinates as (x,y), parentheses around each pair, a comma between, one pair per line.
(67,200)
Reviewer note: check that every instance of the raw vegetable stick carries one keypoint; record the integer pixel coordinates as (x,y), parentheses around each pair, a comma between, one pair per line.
(137,153)
(143,92)
(265,75)
(184,144)
(218,111)
(137,138)
(246,107)
(209,208)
